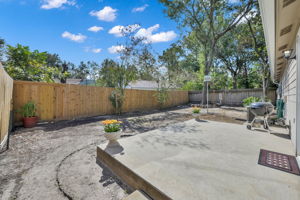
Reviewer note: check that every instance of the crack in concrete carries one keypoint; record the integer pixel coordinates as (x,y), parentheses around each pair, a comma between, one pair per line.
(58,182)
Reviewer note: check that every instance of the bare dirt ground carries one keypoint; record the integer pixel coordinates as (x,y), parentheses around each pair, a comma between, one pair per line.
(58,160)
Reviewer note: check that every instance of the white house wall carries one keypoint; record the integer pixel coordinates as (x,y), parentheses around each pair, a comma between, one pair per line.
(289,95)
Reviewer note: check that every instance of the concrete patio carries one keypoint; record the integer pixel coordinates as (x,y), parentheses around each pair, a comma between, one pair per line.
(202,160)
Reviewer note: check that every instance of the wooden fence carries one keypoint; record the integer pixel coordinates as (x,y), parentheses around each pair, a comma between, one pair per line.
(231,97)
(64,101)
(6,89)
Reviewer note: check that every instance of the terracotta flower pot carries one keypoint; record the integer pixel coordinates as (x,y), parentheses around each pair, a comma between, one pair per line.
(29,122)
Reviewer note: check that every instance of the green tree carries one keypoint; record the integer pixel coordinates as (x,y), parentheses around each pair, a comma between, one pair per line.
(207,21)
(81,71)
(125,70)
(63,67)
(107,78)
(146,62)
(235,54)
(258,41)
(2,49)
(23,64)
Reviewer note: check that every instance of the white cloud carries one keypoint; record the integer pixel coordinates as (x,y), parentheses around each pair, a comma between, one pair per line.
(95,28)
(76,38)
(107,14)
(50,4)
(116,49)
(154,38)
(119,30)
(93,50)
(98,50)
(140,9)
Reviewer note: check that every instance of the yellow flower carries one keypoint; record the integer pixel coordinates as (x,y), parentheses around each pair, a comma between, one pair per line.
(111,121)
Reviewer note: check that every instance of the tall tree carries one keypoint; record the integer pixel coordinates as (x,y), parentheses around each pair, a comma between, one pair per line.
(256,31)
(23,64)
(209,20)
(147,67)
(81,71)
(63,67)
(234,52)
(129,54)
(107,78)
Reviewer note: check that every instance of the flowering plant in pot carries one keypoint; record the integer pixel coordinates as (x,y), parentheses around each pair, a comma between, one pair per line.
(112,130)
(28,112)
(196,111)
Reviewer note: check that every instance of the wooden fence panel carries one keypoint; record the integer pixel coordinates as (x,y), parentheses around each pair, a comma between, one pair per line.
(6,90)
(231,97)
(64,101)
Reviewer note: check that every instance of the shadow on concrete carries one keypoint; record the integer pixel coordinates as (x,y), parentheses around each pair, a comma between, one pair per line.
(282,135)
(108,178)
(200,120)
(177,135)
(114,149)
(140,124)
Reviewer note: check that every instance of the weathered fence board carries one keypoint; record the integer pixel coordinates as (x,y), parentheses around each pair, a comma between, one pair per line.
(231,97)
(64,101)
(6,89)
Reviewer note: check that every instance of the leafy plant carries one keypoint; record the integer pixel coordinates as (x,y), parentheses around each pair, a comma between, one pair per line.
(117,99)
(249,100)
(111,125)
(28,110)
(196,110)
(161,96)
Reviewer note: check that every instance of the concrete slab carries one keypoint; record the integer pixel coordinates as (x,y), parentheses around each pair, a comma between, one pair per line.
(136,195)
(207,160)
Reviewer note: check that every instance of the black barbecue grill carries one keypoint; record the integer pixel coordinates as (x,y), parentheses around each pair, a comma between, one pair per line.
(261,111)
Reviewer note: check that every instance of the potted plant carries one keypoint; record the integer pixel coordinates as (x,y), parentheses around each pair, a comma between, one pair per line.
(196,111)
(112,130)
(28,112)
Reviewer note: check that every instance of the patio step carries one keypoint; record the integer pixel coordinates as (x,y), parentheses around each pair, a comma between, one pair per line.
(137,195)
(126,174)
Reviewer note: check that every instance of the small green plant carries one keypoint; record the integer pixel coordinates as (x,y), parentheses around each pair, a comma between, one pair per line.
(28,110)
(249,100)
(111,125)
(196,110)
(161,96)
(117,99)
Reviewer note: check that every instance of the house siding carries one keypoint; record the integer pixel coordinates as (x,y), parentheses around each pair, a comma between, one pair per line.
(289,86)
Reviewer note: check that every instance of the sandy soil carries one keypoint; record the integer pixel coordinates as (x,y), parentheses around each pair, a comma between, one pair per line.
(57,161)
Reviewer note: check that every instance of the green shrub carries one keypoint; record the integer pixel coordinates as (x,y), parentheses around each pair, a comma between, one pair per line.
(249,100)
(28,110)
(161,96)
(117,99)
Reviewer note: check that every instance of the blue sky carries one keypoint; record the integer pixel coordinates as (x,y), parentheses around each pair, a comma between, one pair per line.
(61,26)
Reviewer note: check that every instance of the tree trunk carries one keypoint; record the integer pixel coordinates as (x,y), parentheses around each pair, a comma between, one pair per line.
(265,89)
(234,83)
(247,84)
(265,82)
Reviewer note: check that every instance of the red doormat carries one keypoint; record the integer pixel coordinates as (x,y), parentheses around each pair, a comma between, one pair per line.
(279,161)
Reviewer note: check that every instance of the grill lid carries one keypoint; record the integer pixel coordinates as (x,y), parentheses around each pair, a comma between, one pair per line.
(261,105)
